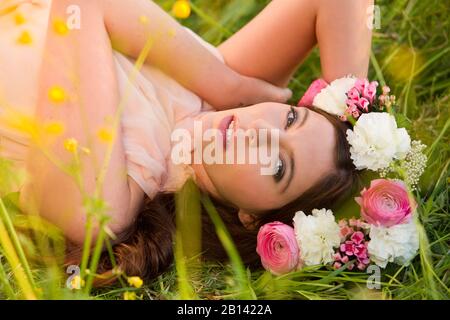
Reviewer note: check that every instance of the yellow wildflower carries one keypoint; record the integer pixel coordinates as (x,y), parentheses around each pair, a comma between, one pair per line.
(129,295)
(71,145)
(181,9)
(25,38)
(57,95)
(76,282)
(19,19)
(105,135)
(135,282)
(60,27)
(54,128)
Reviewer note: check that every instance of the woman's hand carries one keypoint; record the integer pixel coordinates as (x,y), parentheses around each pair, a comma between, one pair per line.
(252,91)
(237,91)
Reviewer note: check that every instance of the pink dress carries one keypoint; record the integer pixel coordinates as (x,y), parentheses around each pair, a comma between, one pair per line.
(154,104)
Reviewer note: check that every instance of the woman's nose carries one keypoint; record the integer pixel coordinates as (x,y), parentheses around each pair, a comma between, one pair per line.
(262,132)
(261,124)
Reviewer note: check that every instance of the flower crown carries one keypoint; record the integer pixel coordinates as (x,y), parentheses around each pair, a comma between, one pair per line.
(375,141)
(387,230)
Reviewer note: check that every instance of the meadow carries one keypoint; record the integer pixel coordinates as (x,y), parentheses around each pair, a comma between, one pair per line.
(410,52)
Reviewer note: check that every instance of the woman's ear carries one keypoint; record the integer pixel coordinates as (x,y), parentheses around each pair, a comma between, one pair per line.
(248,219)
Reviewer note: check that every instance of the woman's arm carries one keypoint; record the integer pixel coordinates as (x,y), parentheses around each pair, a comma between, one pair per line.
(131,24)
(274,43)
(80,62)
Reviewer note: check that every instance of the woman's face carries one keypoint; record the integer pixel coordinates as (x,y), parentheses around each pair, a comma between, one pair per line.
(306,153)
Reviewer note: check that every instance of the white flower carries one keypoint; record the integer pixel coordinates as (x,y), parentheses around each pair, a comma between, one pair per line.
(375,141)
(333,97)
(397,244)
(316,235)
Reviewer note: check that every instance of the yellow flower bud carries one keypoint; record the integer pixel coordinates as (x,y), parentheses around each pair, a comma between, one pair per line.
(135,282)
(25,38)
(19,19)
(57,95)
(181,9)
(54,128)
(105,135)
(71,145)
(129,295)
(77,283)
(60,27)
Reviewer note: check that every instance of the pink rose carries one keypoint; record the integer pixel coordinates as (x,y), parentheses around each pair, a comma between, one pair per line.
(315,87)
(277,246)
(386,203)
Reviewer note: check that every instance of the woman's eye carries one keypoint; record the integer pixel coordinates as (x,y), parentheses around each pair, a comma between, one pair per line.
(279,170)
(291,117)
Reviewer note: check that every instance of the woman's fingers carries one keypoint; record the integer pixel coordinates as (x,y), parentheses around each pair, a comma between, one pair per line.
(263,91)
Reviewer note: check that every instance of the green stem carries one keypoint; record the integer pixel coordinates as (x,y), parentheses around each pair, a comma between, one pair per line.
(95,258)
(15,240)
(14,262)
(245,290)
(5,282)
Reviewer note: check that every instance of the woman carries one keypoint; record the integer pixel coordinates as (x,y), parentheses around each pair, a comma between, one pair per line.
(314,168)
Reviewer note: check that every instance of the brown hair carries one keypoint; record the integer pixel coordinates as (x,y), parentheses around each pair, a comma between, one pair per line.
(147,249)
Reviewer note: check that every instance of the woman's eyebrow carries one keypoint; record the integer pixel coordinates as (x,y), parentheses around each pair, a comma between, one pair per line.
(305,117)
(291,172)
(291,154)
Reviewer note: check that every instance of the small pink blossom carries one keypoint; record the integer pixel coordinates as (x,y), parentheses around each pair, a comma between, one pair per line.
(353,94)
(345,231)
(342,223)
(353,248)
(357,237)
(360,84)
(370,91)
(364,104)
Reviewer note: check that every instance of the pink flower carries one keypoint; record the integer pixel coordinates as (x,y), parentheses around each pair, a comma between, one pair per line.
(360,84)
(371,91)
(277,246)
(385,90)
(353,94)
(357,237)
(342,223)
(364,104)
(355,247)
(315,87)
(386,203)
(345,231)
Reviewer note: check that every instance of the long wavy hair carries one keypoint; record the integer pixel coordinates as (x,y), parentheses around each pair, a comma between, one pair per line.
(146,249)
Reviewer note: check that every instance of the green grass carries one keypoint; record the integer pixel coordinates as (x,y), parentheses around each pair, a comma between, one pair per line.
(411,52)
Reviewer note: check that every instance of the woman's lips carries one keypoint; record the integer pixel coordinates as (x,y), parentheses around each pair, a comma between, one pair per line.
(223,126)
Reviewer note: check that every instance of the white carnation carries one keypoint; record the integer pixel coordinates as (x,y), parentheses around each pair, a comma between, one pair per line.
(316,235)
(375,141)
(333,97)
(397,244)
